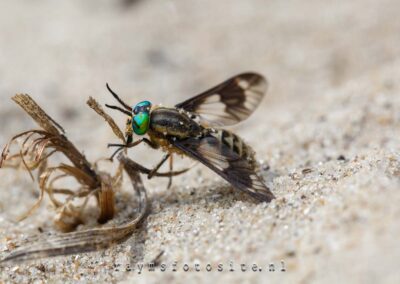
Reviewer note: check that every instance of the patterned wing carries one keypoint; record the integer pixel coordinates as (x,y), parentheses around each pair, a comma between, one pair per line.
(229,102)
(238,171)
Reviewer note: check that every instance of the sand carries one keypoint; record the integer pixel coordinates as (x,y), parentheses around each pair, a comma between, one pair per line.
(327,134)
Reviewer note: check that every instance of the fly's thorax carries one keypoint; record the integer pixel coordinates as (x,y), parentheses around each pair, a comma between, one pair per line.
(236,144)
(174,123)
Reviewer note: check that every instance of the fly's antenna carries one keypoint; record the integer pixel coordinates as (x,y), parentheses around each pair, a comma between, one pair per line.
(128,113)
(125,105)
(127,109)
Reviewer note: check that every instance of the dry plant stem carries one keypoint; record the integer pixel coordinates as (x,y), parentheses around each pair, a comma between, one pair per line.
(106,199)
(58,140)
(37,113)
(26,165)
(33,207)
(33,154)
(97,108)
(91,183)
(6,150)
(89,240)
(48,186)
(106,196)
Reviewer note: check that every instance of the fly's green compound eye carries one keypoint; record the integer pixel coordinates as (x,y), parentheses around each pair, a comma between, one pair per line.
(144,106)
(141,117)
(140,123)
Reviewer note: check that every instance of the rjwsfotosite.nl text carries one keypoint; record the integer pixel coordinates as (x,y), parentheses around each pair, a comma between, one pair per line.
(198,267)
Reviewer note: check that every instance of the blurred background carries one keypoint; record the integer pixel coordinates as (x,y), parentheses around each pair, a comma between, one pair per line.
(61,52)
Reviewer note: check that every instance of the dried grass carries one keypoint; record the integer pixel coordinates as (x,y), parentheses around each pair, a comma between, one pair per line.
(34,152)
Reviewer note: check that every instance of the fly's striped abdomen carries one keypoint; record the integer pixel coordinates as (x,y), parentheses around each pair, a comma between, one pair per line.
(236,144)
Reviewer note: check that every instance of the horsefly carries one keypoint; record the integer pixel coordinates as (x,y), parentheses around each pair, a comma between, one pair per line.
(193,129)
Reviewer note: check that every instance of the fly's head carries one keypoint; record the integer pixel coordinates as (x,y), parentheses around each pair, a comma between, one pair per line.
(139,116)
(140,120)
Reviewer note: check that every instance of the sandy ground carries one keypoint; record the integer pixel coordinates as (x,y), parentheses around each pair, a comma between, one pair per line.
(329,130)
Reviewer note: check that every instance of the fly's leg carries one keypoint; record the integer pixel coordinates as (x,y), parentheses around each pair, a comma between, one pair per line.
(143,170)
(171,167)
(130,145)
(170,174)
(153,171)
